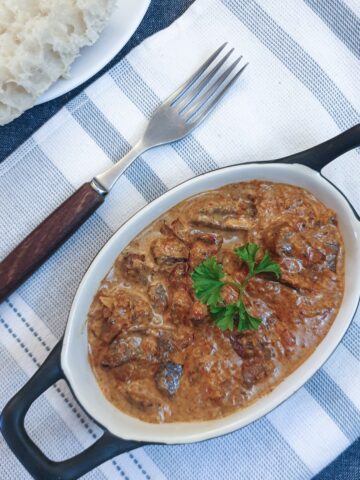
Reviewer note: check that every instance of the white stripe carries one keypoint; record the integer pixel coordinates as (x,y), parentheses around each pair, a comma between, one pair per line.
(344,369)
(344,173)
(117,207)
(52,126)
(33,320)
(73,151)
(311,433)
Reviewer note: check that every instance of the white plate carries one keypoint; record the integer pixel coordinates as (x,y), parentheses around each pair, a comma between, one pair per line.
(123,23)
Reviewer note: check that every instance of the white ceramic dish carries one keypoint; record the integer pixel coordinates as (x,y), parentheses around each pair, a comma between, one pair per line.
(123,23)
(74,358)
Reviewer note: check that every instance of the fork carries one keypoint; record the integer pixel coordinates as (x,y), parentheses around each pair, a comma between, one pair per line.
(175,118)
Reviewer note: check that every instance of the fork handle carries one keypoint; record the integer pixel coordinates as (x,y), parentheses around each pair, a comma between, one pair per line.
(47,237)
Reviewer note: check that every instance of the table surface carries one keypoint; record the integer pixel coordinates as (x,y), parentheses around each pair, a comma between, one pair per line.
(161,13)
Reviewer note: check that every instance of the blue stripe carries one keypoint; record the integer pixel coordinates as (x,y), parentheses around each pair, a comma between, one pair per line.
(135,87)
(233,457)
(95,124)
(28,326)
(146,100)
(335,403)
(296,59)
(352,340)
(341,20)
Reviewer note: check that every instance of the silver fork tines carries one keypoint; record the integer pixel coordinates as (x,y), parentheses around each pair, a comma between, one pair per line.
(209,92)
(192,93)
(181,112)
(204,111)
(182,89)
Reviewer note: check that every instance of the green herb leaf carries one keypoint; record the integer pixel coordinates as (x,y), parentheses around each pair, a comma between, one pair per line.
(267,265)
(224,316)
(207,282)
(246,321)
(248,253)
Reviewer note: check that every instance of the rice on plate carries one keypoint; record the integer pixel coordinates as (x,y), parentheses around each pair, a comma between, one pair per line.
(39,40)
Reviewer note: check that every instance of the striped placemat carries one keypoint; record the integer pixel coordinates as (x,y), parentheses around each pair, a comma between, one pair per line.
(301,88)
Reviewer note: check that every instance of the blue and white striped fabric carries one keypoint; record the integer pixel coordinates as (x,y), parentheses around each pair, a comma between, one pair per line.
(302,87)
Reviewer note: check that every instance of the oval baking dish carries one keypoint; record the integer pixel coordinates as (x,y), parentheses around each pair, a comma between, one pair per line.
(69,359)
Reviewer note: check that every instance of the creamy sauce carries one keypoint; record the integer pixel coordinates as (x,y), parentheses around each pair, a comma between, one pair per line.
(153,347)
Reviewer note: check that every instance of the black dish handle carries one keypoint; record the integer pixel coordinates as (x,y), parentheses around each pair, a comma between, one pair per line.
(318,157)
(29,454)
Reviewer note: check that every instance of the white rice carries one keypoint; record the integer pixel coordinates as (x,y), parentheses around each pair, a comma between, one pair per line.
(39,40)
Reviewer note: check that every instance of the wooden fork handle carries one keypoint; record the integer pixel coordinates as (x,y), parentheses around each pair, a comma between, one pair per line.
(47,237)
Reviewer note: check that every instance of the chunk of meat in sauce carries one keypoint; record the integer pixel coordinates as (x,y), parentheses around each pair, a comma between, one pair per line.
(177,229)
(181,303)
(134,370)
(279,202)
(278,239)
(203,248)
(128,348)
(250,344)
(255,372)
(167,251)
(215,377)
(199,313)
(221,212)
(135,268)
(179,279)
(172,344)
(330,241)
(187,235)
(141,394)
(179,272)
(318,246)
(168,377)
(231,262)
(256,353)
(201,244)
(120,310)
(303,254)
(229,294)
(287,339)
(158,296)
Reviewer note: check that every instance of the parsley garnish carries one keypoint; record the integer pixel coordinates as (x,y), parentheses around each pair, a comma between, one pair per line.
(209,278)
(207,281)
